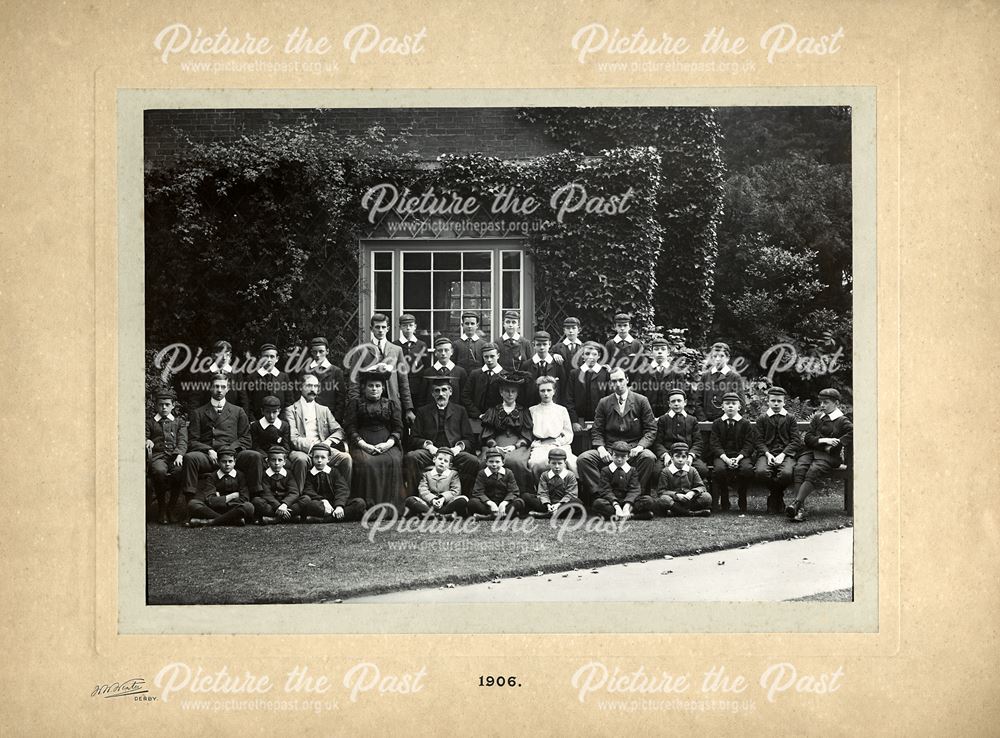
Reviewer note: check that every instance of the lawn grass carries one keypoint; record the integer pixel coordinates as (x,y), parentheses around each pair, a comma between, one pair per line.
(323,563)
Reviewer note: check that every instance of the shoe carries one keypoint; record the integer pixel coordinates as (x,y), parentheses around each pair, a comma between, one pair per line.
(537,514)
(483,516)
(644,515)
(163,518)
(240,522)
(790,511)
(800,514)
(197,523)
(700,513)
(268,520)
(315,519)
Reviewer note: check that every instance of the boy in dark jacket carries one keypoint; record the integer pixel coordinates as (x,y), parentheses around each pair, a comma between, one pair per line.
(325,493)
(557,486)
(619,492)
(677,425)
(278,500)
(495,492)
(680,490)
(222,498)
(778,443)
(166,444)
(829,432)
(732,442)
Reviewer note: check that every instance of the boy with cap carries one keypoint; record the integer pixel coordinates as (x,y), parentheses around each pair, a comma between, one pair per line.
(439,491)
(415,355)
(732,441)
(223,498)
(678,426)
(623,347)
(495,492)
(557,486)
(586,386)
(325,496)
(443,366)
(829,432)
(515,351)
(332,388)
(778,443)
(619,492)
(266,381)
(680,490)
(482,389)
(469,346)
(569,345)
(543,364)
(718,379)
(166,444)
(440,424)
(270,430)
(659,376)
(278,500)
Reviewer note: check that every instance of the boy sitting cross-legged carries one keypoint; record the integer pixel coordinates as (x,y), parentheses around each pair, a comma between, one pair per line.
(495,492)
(439,491)
(557,487)
(619,494)
(278,500)
(325,494)
(680,490)
(222,498)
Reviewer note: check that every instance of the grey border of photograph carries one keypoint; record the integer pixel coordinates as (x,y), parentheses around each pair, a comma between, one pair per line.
(135,616)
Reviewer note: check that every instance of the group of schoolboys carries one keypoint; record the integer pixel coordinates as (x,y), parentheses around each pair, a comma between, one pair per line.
(639,433)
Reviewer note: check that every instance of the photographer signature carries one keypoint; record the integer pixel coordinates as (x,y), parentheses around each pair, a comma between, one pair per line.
(120,689)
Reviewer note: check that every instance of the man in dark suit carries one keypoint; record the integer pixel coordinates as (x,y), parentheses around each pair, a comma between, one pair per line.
(380,354)
(201,380)
(621,416)
(216,425)
(469,346)
(441,424)
(416,355)
(482,390)
(332,388)
(543,364)
(443,366)
(266,381)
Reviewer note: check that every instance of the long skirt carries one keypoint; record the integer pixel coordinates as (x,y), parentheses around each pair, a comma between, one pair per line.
(378,478)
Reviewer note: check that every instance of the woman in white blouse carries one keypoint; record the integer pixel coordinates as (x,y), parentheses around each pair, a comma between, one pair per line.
(551,427)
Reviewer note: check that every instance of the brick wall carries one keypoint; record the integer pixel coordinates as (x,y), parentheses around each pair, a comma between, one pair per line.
(492,131)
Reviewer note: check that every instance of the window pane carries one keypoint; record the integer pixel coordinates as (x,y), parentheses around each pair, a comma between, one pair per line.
(511,290)
(476,260)
(447,260)
(447,290)
(416,291)
(511,259)
(383,291)
(423,324)
(414,260)
(447,323)
(383,260)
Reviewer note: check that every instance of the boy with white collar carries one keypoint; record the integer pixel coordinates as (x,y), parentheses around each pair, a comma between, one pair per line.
(829,432)
(515,351)
(166,444)
(718,379)
(270,430)
(325,493)
(439,491)
(619,493)
(566,350)
(495,492)
(443,366)
(415,354)
(680,490)
(543,364)
(223,498)
(482,390)
(623,347)
(732,441)
(469,346)
(778,443)
(277,501)
(265,381)
(557,487)
(332,388)
(677,425)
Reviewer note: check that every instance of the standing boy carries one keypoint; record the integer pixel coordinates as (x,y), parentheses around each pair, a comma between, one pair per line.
(778,443)
(482,390)
(569,345)
(266,381)
(166,444)
(332,391)
(515,351)
(732,441)
(469,346)
(718,379)
(443,366)
(830,431)
(623,347)
(415,356)
(543,364)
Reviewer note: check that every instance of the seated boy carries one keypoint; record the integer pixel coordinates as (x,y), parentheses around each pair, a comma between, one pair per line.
(680,491)
(222,498)
(557,488)
(270,430)
(278,500)
(166,444)
(732,441)
(439,491)
(619,492)
(325,494)
(778,443)
(495,492)
(829,432)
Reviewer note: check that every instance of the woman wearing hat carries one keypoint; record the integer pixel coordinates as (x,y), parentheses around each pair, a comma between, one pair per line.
(551,427)
(507,428)
(374,427)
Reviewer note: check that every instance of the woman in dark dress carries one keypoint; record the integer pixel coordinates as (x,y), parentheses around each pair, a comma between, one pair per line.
(507,426)
(374,426)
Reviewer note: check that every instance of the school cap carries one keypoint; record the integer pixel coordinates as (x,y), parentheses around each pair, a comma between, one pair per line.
(557,454)
(541,336)
(731,396)
(444,450)
(659,341)
(166,394)
(776,391)
(318,341)
(511,315)
(623,318)
(490,347)
(270,402)
(226,451)
(721,346)
(470,314)
(407,318)
(677,391)
(268,347)
(829,394)
(276,449)
(679,448)
(442,341)
(620,447)
(320,447)
(491,453)
(570,322)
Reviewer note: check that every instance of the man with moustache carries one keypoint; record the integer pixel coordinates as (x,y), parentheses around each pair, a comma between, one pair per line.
(309,423)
